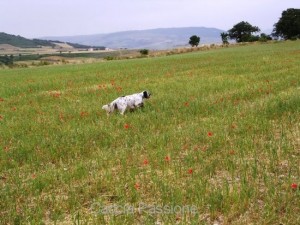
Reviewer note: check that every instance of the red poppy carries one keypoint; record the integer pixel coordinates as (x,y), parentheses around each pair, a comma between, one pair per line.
(190,171)
(6,148)
(231,152)
(1,117)
(126,126)
(145,162)
(167,158)
(83,114)
(233,126)
(1,100)
(13,108)
(33,176)
(294,186)
(186,104)
(209,134)
(137,186)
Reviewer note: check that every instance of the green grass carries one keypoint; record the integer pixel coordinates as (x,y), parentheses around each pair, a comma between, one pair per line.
(220,133)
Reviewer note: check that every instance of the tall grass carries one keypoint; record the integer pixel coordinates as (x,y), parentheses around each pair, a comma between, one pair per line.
(220,133)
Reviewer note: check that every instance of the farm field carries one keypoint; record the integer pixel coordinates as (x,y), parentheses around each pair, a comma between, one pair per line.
(218,142)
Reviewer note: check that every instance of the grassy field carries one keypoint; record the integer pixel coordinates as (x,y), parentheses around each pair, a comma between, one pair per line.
(217,143)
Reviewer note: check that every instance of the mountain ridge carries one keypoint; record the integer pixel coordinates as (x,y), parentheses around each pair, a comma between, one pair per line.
(158,38)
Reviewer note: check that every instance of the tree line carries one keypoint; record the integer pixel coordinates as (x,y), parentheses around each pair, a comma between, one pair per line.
(7,60)
(287,28)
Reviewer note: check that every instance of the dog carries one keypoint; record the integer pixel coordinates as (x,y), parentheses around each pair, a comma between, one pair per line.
(127,102)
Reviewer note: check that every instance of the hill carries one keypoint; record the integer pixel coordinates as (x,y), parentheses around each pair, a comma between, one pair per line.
(161,38)
(21,42)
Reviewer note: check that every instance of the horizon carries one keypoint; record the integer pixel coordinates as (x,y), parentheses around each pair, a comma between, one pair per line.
(123,31)
(77,18)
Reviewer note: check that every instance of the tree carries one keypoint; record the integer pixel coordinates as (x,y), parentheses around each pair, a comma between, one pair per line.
(263,37)
(7,60)
(288,26)
(194,40)
(224,37)
(144,51)
(242,32)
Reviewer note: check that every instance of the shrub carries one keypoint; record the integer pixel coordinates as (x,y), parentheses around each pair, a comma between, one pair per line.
(144,51)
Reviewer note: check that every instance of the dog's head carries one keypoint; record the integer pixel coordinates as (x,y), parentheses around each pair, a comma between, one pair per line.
(146,94)
(107,108)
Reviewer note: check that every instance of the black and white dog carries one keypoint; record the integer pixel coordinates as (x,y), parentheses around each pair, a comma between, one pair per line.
(127,102)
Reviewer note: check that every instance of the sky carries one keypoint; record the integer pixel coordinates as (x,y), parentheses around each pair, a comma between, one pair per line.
(40,18)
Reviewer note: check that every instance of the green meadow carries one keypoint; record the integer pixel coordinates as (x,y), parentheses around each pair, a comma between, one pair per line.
(218,142)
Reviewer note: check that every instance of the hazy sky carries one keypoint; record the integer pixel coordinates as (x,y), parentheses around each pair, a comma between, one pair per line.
(38,18)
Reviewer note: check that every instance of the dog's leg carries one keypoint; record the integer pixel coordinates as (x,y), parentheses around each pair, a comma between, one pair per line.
(122,109)
(141,105)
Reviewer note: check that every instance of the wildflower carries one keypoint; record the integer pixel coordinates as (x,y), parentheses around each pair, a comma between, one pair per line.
(233,126)
(167,158)
(186,104)
(190,171)
(13,108)
(126,126)
(56,95)
(137,186)
(1,117)
(33,176)
(209,134)
(83,114)
(119,89)
(1,100)
(145,162)
(6,148)
(231,152)
(294,186)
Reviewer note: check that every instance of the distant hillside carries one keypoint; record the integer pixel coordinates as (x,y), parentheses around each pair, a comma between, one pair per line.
(21,42)
(162,38)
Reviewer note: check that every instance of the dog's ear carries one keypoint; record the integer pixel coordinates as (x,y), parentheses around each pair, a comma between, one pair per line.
(146,94)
